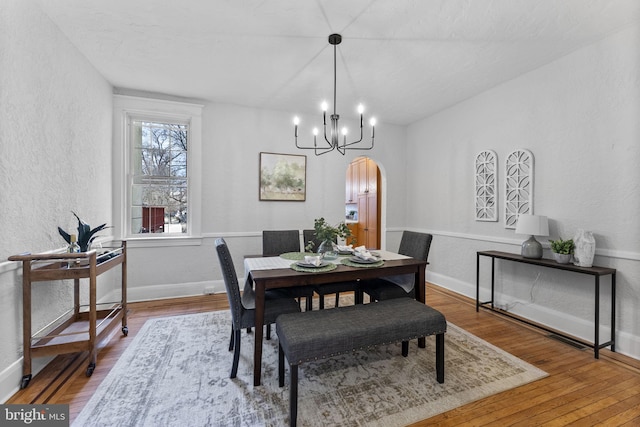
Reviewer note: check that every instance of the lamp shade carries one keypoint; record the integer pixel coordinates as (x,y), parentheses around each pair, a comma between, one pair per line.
(532,225)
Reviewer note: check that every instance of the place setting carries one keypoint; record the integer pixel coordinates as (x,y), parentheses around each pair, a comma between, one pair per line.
(363,258)
(313,264)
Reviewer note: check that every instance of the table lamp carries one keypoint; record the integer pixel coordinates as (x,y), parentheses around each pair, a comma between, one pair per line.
(533,225)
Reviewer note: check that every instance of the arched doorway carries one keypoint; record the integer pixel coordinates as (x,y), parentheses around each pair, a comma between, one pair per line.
(363,198)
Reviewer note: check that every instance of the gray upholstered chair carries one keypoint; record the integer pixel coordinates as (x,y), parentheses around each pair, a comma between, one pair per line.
(413,244)
(243,307)
(328,288)
(276,242)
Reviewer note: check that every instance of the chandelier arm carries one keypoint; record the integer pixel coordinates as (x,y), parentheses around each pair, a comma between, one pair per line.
(315,147)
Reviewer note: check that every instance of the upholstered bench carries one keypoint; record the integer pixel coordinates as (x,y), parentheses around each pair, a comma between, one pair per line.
(324,333)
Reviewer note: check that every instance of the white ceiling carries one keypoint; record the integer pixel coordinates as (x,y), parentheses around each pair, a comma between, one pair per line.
(403,59)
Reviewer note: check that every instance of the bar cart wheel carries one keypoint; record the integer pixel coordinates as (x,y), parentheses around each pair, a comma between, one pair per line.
(25,381)
(90,369)
(125,331)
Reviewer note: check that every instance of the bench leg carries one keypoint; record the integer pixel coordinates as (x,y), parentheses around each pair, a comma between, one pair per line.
(280,366)
(440,357)
(405,348)
(293,396)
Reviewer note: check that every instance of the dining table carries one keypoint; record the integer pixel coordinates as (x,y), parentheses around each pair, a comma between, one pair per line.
(265,273)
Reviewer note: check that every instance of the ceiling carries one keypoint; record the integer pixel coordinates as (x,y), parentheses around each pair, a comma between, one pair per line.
(403,59)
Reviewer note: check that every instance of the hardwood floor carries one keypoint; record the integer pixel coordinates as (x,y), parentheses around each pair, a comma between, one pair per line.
(579,390)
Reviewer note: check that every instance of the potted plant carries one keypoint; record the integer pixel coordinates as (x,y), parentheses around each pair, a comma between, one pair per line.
(327,234)
(86,234)
(562,250)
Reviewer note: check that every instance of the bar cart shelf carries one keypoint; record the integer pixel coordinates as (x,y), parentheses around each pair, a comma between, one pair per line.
(84,327)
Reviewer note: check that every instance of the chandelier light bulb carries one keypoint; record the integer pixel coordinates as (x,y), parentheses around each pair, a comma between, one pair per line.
(372,122)
(360,108)
(315,131)
(344,131)
(324,106)
(296,120)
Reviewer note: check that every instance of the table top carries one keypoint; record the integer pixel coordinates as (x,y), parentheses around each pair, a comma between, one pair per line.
(546,262)
(280,277)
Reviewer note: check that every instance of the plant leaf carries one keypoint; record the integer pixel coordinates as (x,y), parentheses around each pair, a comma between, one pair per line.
(66,236)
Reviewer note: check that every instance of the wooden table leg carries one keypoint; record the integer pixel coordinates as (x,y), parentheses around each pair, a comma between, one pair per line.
(257,350)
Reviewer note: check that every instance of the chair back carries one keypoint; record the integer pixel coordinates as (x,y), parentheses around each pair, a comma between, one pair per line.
(310,236)
(230,281)
(415,245)
(276,242)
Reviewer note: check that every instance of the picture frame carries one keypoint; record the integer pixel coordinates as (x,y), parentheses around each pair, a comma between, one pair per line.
(283,177)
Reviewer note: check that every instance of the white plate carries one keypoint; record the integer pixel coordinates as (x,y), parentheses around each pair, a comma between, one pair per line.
(305,265)
(363,261)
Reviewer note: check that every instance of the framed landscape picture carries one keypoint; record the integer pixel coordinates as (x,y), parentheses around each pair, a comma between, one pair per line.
(283,177)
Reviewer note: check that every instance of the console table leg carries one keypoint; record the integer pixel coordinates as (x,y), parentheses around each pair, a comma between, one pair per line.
(596,335)
(613,312)
(477,282)
(493,279)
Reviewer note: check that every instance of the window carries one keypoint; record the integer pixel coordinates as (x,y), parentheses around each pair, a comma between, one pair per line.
(159,178)
(160,168)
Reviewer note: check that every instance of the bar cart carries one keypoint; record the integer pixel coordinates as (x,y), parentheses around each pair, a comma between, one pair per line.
(83,327)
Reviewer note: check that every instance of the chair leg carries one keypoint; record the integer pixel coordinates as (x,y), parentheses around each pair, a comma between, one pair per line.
(309,303)
(231,340)
(405,348)
(293,396)
(236,354)
(358,296)
(269,331)
(280,366)
(337,299)
(440,358)
(321,302)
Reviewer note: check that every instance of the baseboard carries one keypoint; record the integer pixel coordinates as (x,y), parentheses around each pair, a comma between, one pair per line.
(11,377)
(626,343)
(166,291)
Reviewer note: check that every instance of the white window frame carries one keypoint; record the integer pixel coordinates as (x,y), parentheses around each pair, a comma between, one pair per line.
(127,108)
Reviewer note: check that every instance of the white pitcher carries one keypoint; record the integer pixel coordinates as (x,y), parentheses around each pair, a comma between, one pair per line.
(585,248)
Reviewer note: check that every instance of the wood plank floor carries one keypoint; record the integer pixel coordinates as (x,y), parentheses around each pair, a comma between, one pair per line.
(579,390)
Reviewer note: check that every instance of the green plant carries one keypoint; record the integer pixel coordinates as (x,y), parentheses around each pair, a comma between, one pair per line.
(562,246)
(327,232)
(85,233)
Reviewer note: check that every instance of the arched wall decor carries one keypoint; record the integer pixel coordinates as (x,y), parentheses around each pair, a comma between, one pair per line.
(486,184)
(518,196)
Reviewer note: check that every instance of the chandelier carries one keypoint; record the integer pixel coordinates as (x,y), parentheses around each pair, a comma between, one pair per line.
(332,141)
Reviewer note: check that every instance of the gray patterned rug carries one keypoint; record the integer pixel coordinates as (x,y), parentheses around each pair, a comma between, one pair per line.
(176,370)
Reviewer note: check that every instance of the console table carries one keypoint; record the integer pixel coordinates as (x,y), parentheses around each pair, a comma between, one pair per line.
(596,272)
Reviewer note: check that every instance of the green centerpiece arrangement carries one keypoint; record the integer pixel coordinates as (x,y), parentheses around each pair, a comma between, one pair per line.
(327,235)
(562,250)
(86,234)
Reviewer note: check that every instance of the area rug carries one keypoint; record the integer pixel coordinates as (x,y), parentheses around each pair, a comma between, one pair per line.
(176,371)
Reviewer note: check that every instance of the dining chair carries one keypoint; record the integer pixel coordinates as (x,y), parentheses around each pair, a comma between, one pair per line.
(243,313)
(276,242)
(328,288)
(413,244)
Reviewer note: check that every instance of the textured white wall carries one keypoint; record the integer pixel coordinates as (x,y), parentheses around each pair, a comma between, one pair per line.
(232,139)
(55,156)
(579,117)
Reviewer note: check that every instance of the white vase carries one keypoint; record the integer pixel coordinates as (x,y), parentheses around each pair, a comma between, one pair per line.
(585,248)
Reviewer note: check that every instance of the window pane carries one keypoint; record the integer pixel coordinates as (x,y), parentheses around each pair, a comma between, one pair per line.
(159,179)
